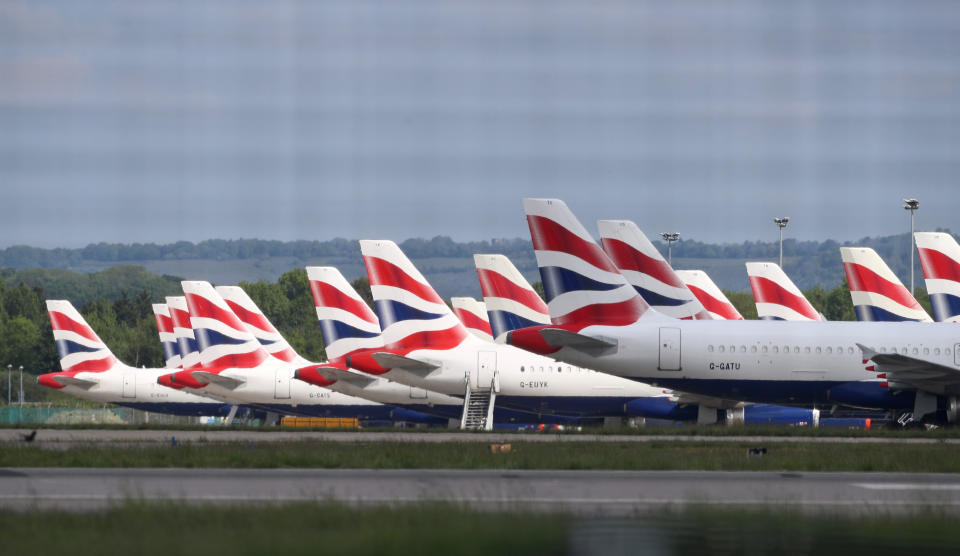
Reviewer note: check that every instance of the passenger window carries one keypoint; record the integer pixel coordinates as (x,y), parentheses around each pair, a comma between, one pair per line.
(753,349)
(720,349)
(521,369)
(743,349)
(850,350)
(806,350)
(541,369)
(786,349)
(839,350)
(710,349)
(915,351)
(559,369)
(936,351)
(775,349)
(796,349)
(829,350)
(903,350)
(926,351)
(733,349)
(819,351)
(765,349)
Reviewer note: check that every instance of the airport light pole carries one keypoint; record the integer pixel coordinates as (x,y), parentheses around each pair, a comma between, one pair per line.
(21,384)
(9,383)
(912,205)
(781,224)
(670,237)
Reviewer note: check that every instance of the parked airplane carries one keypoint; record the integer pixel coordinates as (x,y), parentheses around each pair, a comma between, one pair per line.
(776,296)
(473,315)
(504,286)
(598,320)
(236,367)
(940,259)
(877,293)
(351,383)
(91,371)
(171,352)
(717,304)
(647,271)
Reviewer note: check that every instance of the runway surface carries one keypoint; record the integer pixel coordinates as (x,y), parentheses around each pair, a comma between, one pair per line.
(80,436)
(584,492)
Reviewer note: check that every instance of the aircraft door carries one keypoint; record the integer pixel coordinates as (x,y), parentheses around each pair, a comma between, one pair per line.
(281,384)
(129,385)
(669,349)
(486,366)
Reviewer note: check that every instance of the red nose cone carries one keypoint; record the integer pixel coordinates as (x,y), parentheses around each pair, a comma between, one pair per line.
(167,380)
(365,362)
(185,379)
(529,339)
(48,381)
(311,375)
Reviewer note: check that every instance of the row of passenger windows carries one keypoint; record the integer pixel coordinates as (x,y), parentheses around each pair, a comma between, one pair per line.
(551,368)
(829,350)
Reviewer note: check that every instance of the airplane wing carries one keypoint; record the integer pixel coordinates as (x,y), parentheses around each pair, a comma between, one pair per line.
(342,375)
(220,380)
(912,372)
(393,361)
(683,398)
(558,337)
(74,381)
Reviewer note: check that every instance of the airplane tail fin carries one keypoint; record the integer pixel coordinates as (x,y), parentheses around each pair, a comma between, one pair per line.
(940,260)
(647,271)
(473,315)
(183,332)
(877,293)
(223,339)
(259,325)
(171,352)
(79,347)
(710,296)
(581,283)
(776,296)
(411,313)
(347,324)
(511,302)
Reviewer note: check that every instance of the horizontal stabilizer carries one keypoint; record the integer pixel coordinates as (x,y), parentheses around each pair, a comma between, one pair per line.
(560,338)
(341,375)
(74,381)
(393,361)
(220,380)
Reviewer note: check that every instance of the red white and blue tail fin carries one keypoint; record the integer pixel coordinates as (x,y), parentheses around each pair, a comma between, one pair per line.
(411,313)
(171,352)
(776,296)
(709,295)
(257,324)
(647,271)
(877,293)
(473,315)
(223,339)
(79,347)
(511,301)
(183,332)
(347,324)
(582,284)
(940,259)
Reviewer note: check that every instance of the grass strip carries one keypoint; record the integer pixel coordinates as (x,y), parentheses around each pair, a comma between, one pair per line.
(654,455)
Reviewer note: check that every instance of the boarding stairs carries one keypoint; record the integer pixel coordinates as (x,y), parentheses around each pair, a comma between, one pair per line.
(478,404)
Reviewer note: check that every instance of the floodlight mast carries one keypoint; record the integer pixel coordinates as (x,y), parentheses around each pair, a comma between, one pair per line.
(912,205)
(781,224)
(670,237)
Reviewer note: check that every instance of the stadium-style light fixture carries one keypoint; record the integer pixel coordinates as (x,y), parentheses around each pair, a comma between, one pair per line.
(781,224)
(670,237)
(912,205)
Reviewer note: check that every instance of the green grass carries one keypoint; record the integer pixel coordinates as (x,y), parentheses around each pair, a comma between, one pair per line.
(654,455)
(311,528)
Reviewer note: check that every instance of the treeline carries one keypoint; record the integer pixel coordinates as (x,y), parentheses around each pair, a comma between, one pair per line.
(21,256)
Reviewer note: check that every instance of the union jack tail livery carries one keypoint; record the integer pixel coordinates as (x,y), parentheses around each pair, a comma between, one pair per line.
(940,259)
(877,293)
(223,339)
(511,302)
(581,283)
(258,325)
(347,324)
(79,347)
(411,313)
(777,297)
(647,271)
(171,352)
(183,333)
(709,295)
(473,315)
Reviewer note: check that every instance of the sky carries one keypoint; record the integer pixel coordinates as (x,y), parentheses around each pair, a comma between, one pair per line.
(181,120)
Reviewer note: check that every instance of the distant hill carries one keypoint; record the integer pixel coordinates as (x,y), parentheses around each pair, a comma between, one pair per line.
(448,264)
